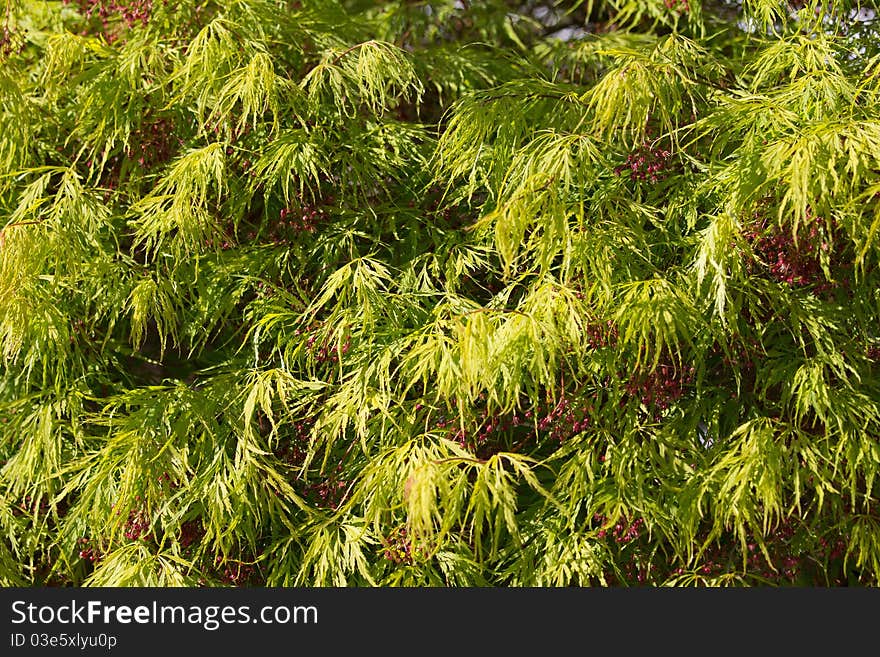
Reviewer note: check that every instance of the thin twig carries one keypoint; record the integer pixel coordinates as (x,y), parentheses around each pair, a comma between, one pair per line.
(348,50)
(14,225)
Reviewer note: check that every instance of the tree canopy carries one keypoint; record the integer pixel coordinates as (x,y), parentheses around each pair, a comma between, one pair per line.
(439,293)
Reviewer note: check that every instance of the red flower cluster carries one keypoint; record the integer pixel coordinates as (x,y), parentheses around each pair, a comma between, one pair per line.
(661,387)
(304,219)
(90,553)
(793,550)
(11,41)
(138,525)
(786,261)
(328,492)
(566,419)
(191,532)
(326,351)
(153,142)
(398,547)
(623,530)
(680,6)
(557,419)
(293,450)
(132,12)
(299,218)
(601,335)
(6,48)
(647,162)
(30,505)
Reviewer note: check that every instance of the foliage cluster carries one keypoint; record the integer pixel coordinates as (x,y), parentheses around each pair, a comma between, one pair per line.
(435,292)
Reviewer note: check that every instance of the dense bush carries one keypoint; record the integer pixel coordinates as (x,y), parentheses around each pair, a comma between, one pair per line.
(439,293)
